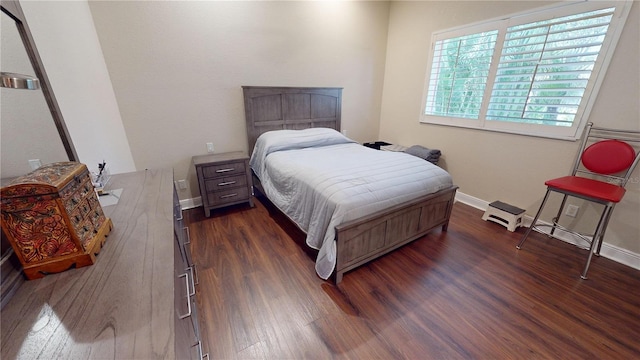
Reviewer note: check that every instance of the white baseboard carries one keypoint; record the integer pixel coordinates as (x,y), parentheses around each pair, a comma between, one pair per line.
(608,251)
(472,201)
(191,203)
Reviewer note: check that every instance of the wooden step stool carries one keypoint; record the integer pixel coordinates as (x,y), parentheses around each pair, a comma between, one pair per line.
(504,214)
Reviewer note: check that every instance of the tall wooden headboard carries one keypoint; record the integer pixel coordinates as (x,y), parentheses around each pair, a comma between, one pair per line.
(278,108)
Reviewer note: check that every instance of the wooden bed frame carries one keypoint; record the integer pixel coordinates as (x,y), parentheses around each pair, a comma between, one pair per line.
(362,240)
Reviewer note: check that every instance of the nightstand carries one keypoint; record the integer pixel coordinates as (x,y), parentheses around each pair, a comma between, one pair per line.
(376,144)
(224,179)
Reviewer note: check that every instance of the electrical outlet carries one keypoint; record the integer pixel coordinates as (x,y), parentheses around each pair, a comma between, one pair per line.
(572,210)
(344,132)
(182,184)
(209,147)
(35,163)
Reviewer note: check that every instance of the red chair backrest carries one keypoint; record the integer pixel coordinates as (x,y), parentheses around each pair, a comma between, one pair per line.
(608,157)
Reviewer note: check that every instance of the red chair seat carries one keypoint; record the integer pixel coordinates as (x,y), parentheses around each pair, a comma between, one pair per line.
(588,187)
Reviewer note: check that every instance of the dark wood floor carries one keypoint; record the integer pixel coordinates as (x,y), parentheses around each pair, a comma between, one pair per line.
(464,293)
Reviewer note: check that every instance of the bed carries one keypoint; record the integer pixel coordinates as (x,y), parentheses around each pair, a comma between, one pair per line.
(354,203)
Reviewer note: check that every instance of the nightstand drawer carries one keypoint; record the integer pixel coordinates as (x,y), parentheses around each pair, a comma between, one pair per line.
(223,170)
(228,196)
(226,182)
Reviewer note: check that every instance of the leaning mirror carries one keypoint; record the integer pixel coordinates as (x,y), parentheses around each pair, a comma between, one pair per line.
(27,129)
(31,126)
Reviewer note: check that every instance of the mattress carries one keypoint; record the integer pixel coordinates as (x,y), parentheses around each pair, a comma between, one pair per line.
(320,179)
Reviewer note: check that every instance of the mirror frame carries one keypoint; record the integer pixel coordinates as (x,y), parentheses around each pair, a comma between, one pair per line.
(14,10)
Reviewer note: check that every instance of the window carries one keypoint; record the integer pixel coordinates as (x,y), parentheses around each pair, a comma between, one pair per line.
(459,74)
(535,73)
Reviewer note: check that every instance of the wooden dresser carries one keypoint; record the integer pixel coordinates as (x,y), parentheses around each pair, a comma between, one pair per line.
(53,219)
(129,304)
(224,179)
(188,339)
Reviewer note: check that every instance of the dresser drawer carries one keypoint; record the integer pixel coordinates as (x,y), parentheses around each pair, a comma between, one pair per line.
(226,182)
(228,196)
(234,168)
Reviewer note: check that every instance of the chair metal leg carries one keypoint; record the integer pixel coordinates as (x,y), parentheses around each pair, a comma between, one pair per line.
(557,218)
(535,219)
(604,229)
(596,242)
(604,218)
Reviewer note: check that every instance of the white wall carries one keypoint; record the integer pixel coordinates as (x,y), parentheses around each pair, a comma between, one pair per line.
(177,68)
(68,45)
(495,166)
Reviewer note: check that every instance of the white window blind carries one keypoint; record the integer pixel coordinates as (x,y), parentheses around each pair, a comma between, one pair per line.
(535,73)
(459,74)
(545,67)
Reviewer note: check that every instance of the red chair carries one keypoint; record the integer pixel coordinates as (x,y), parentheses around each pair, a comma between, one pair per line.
(600,173)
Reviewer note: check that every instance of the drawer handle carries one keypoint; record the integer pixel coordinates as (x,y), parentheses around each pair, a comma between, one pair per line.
(200,355)
(196,280)
(186,230)
(224,170)
(226,183)
(193,284)
(186,281)
(228,196)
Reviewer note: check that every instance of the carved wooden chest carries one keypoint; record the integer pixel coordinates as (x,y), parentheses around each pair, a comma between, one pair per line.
(53,219)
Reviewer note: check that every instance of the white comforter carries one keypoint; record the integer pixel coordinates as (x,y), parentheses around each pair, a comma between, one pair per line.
(320,179)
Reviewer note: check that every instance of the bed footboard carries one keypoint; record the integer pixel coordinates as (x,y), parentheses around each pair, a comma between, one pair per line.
(362,240)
